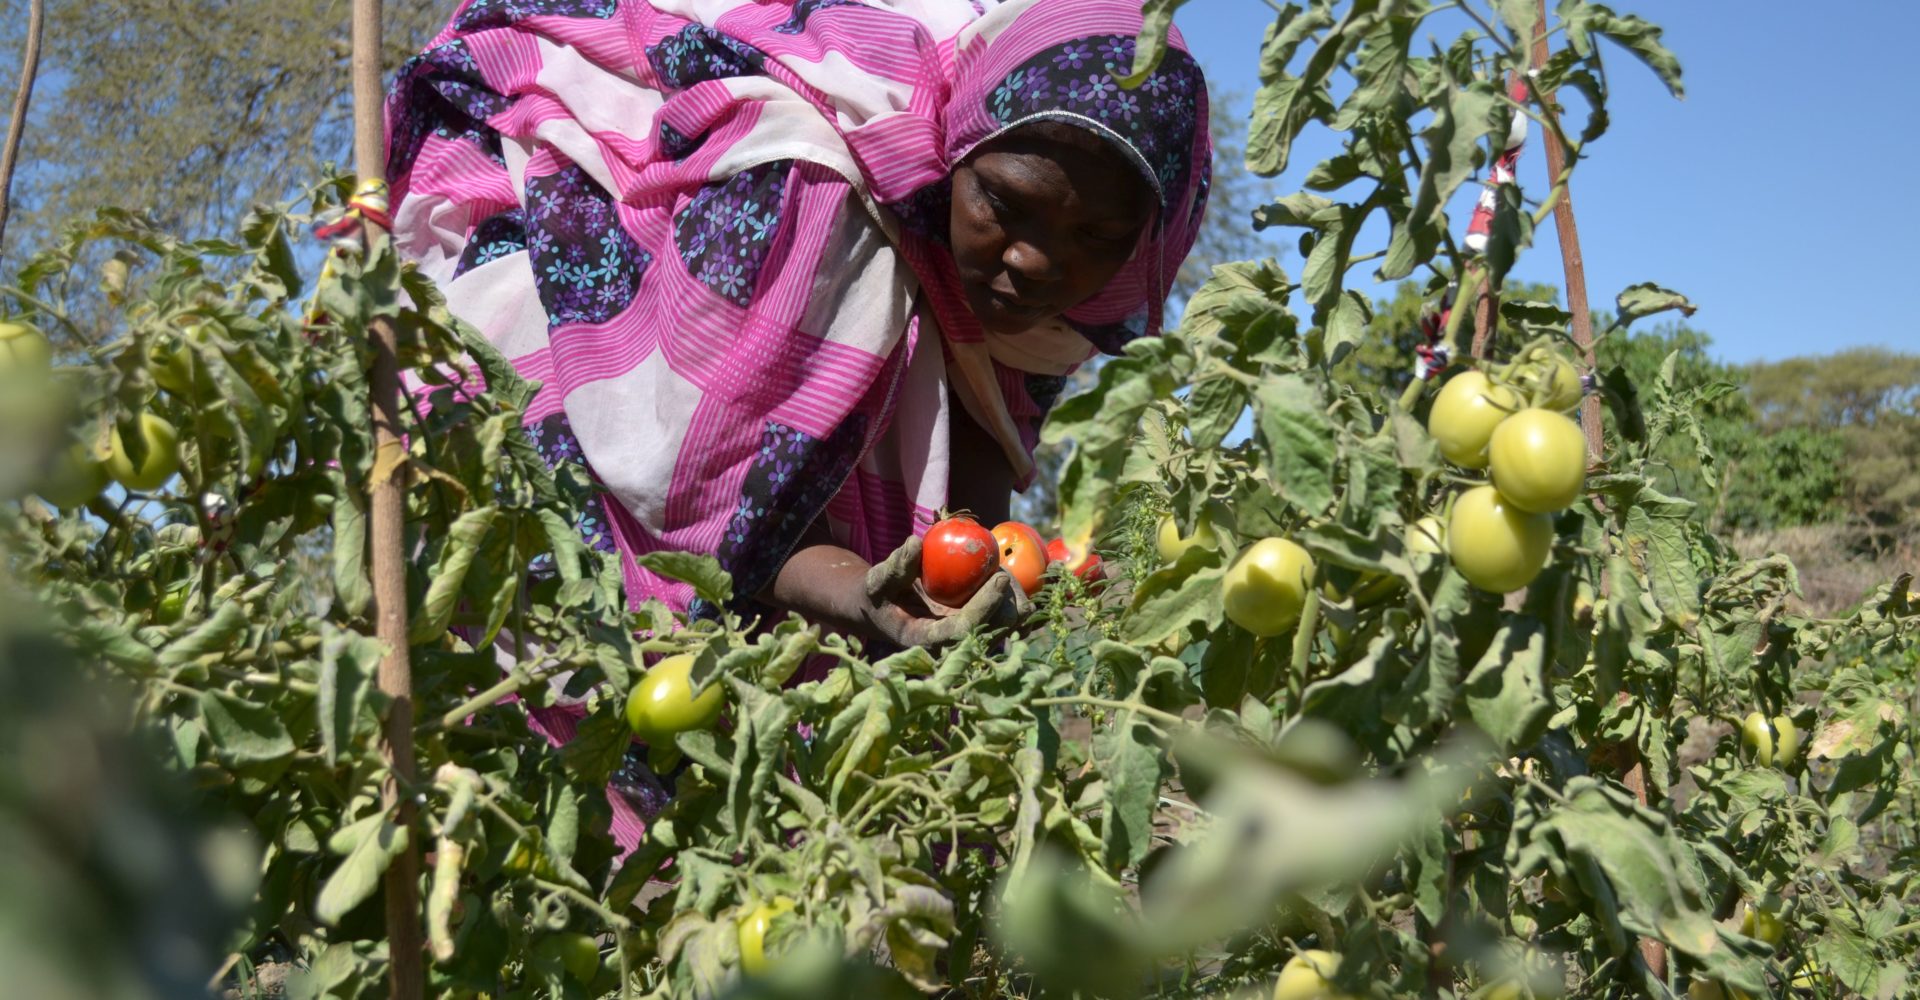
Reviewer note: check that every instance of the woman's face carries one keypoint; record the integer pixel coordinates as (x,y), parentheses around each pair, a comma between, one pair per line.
(1043,218)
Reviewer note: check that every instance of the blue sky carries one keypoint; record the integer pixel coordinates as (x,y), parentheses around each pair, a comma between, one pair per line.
(1780,195)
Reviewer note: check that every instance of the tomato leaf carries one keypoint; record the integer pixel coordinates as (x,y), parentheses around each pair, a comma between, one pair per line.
(1647,299)
(1176,597)
(1297,441)
(355,881)
(241,731)
(1130,756)
(1150,46)
(348,662)
(449,573)
(709,581)
(1506,693)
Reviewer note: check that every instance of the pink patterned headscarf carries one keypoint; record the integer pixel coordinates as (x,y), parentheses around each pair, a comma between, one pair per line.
(714,230)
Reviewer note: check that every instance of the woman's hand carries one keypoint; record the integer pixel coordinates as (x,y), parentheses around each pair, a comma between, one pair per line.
(896,610)
(833,586)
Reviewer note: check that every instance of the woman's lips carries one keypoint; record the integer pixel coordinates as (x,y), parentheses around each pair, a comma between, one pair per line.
(1013,306)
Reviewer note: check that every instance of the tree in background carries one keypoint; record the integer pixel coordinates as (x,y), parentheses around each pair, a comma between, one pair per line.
(189,110)
(1867,402)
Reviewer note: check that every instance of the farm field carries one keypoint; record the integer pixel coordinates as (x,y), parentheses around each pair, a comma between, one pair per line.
(1486,640)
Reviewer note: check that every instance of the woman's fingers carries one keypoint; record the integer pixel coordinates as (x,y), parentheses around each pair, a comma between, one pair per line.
(895,573)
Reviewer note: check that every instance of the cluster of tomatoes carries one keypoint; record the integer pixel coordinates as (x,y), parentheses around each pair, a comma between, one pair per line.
(959,555)
(1500,534)
(79,472)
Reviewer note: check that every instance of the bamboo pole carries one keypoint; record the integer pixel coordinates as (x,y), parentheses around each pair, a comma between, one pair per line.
(30,68)
(405,941)
(1574,265)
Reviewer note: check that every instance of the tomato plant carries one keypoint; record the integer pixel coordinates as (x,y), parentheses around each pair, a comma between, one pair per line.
(1363,707)
(1171,544)
(1770,741)
(957,557)
(1308,976)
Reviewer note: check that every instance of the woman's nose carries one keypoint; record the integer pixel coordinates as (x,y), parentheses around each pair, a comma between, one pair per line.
(1031,262)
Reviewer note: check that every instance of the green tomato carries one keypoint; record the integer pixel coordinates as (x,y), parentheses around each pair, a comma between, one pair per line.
(1172,545)
(1427,535)
(1265,590)
(1786,740)
(1763,923)
(577,953)
(1496,546)
(1707,989)
(172,369)
(1307,976)
(663,703)
(1539,460)
(76,476)
(23,348)
(1770,742)
(170,607)
(1553,384)
(753,933)
(1757,739)
(1464,415)
(162,459)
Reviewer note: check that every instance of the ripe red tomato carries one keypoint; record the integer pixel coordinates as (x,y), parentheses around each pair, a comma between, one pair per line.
(1022,553)
(1089,569)
(957,556)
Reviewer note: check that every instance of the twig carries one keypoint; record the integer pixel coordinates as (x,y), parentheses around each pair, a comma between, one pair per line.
(1574,265)
(406,939)
(1505,46)
(30,68)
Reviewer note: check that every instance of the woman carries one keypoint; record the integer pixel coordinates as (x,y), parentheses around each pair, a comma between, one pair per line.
(796,275)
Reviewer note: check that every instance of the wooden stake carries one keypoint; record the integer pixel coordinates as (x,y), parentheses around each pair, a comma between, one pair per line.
(36,22)
(1574,265)
(405,940)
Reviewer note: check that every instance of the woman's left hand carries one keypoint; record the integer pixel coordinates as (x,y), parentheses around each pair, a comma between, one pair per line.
(896,608)
(833,586)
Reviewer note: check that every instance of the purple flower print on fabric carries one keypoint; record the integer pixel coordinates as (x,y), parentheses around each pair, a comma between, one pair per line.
(637,784)
(1076,77)
(445,95)
(502,13)
(787,486)
(727,229)
(805,9)
(928,212)
(585,265)
(496,237)
(697,53)
(676,144)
